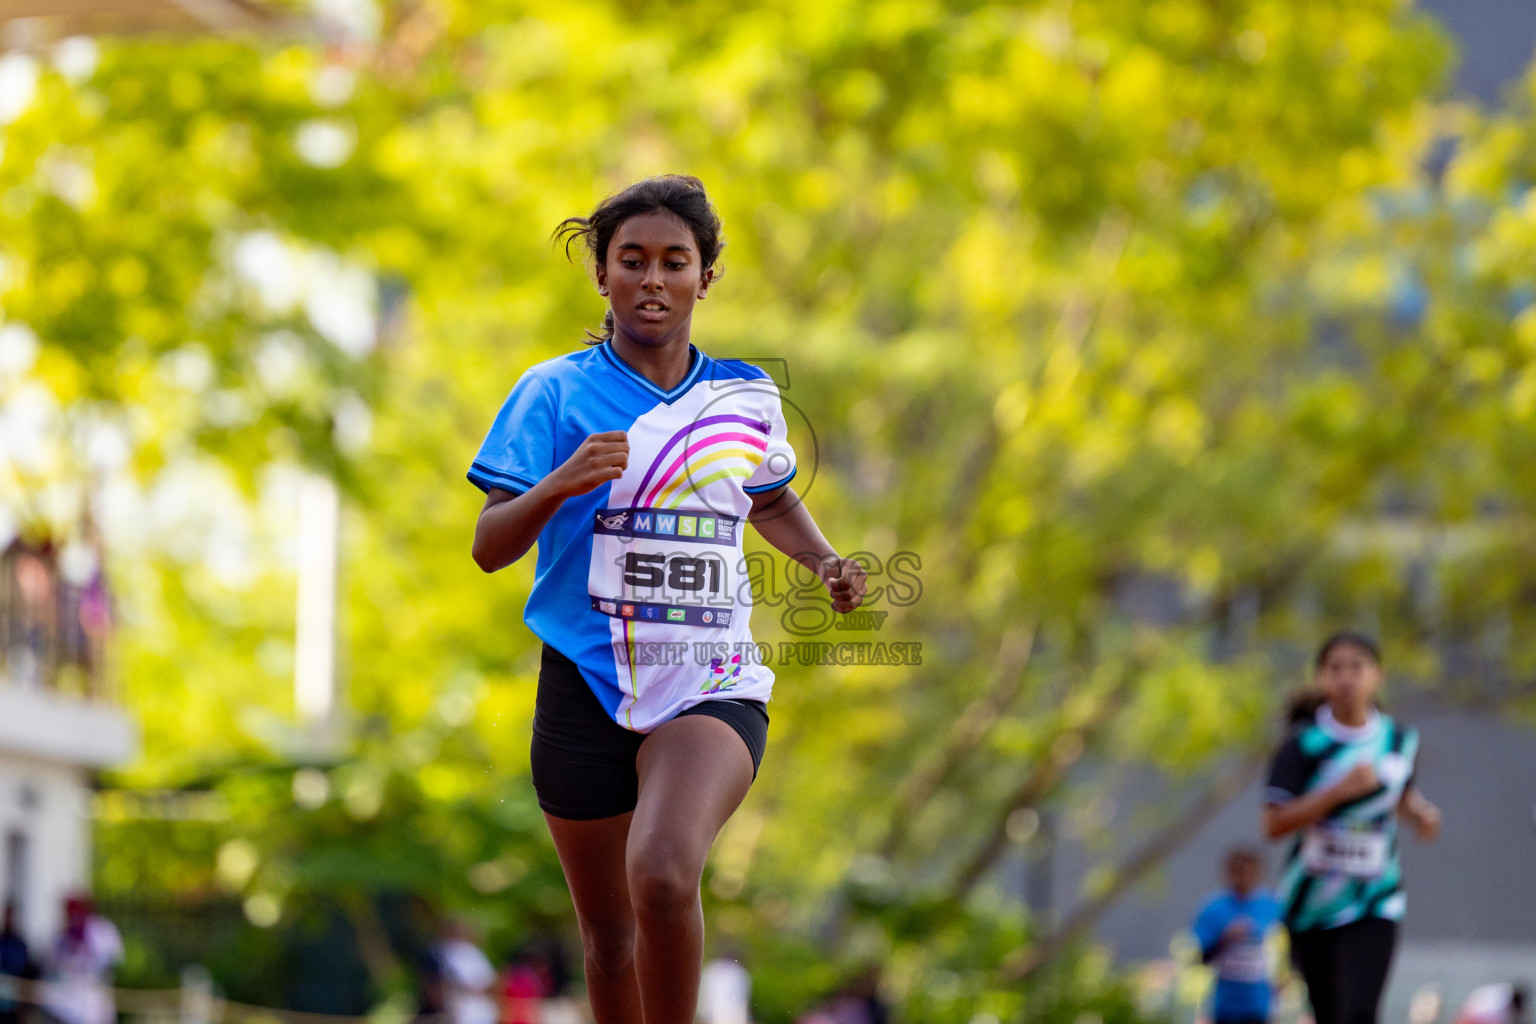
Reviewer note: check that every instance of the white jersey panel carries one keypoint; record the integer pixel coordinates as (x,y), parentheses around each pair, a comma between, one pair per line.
(667,564)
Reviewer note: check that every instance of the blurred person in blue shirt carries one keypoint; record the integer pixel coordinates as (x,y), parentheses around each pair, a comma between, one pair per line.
(15,963)
(1231,929)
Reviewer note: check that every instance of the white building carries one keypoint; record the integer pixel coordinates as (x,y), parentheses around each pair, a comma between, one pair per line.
(58,726)
(58,722)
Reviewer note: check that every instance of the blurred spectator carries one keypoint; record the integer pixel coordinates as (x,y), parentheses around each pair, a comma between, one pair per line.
(866,990)
(858,1002)
(431,994)
(1425,1005)
(15,962)
(81,965)
(422,930)
(524,990)
(562,1010)
(547,956)
(725,992)
(468,978)
(35,626)
(1504,1003)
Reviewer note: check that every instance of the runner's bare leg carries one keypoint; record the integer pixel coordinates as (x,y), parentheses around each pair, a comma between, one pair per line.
(694,773)
(592,854)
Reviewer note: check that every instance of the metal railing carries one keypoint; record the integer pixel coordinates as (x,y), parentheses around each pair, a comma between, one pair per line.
(53,631)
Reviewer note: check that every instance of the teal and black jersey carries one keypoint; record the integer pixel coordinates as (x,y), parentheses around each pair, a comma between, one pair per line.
(1345,867)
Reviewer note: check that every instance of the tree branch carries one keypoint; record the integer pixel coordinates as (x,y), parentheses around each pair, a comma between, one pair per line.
(967,731)
(1026,961)
(1066,748)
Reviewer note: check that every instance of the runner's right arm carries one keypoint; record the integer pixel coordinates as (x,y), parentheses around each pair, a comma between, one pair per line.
(1208,932)
(1283,818)
(510,523)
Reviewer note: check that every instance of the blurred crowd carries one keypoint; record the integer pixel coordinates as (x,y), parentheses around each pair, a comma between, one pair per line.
(78,966)
(458,983)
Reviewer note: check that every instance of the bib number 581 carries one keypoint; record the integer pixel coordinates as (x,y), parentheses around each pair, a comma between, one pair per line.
(682,573)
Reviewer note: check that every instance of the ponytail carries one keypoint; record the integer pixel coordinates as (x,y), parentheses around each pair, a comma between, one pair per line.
(1303,706)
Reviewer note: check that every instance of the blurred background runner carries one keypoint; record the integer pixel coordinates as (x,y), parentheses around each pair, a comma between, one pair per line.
(1232,929)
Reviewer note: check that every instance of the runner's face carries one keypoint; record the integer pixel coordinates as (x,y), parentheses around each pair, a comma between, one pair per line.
(1243,875)
(652,278)
(1349,678)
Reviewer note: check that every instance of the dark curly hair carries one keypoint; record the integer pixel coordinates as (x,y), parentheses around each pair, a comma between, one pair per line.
(1347,638)
(1304,704)
(679,194)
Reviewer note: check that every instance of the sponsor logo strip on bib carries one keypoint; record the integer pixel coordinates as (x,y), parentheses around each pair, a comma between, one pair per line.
(677,615)
(671,524)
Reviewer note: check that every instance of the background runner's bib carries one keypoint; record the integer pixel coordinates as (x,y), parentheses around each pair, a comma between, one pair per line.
(1243,962)
(1332,849)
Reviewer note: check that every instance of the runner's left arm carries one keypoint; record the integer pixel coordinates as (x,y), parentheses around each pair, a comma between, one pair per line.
(784,521)
(1418,811)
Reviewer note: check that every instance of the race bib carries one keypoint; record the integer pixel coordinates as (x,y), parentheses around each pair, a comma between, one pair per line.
(678,566)
(1340,850)
(1244,961)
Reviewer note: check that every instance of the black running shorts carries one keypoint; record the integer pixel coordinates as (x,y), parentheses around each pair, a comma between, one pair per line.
(584,761)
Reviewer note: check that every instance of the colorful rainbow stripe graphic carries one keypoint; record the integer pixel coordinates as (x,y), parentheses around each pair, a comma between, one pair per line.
(719,679)
(708,449)
(634,683)
(721,449)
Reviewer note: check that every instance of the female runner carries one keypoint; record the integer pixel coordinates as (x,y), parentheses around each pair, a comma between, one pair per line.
(634,464)
(1340,782)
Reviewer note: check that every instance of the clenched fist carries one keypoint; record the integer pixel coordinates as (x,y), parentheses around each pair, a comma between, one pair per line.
(599,459)
(1360,781)
(846,581)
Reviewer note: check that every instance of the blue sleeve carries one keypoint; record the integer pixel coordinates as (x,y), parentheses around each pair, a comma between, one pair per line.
(1208,926)
(519,450)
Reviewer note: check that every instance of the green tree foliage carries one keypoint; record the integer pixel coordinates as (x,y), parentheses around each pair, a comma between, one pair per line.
(1138,324)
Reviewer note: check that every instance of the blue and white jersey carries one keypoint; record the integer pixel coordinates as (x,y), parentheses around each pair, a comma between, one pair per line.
(1243,989)
(642,582)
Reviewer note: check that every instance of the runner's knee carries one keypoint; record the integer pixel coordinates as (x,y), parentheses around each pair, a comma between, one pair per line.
(609,950)
(661,882)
